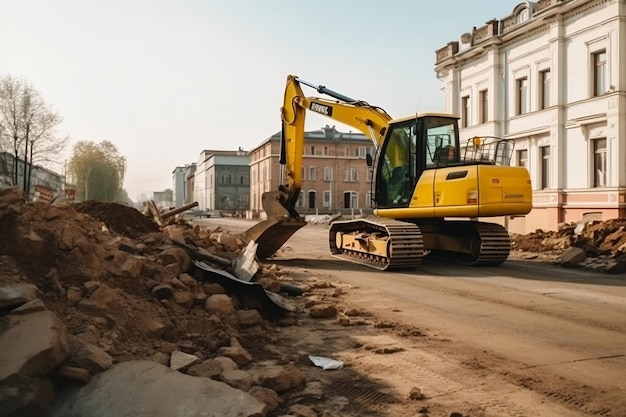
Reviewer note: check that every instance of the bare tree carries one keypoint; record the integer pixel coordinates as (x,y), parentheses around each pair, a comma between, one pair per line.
(27,127)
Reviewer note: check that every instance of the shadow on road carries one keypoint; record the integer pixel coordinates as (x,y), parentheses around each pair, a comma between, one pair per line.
(513,268)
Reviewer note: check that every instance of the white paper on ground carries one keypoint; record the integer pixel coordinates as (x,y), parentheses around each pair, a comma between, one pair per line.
(326,363)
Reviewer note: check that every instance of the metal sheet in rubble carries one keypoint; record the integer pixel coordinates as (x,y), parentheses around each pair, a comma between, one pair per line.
(251,294)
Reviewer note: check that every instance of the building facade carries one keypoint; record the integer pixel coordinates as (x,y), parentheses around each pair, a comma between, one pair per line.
(335,177)
(179,183)
(44,184)
(551,76)
(222,181)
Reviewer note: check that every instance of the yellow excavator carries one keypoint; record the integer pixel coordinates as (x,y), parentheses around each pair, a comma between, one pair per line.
(428,189)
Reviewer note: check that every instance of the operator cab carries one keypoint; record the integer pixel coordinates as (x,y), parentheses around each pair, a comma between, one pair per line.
(412,145)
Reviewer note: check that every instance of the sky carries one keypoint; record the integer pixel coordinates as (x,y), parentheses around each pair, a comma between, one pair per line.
(164,80)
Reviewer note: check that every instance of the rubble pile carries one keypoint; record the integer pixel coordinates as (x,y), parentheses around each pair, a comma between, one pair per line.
(595,244)
(90,286)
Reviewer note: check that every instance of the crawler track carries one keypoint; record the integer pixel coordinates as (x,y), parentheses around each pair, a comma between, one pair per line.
(404,243)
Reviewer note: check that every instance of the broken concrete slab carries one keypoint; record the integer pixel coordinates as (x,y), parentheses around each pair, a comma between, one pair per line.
(14,295)
(157,391)
(572,256)
(32,345)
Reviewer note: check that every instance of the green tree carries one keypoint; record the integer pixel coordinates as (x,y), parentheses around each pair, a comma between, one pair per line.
(98,171)
(27,127)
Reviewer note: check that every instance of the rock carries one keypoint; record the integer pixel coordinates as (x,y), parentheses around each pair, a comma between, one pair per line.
(157,391)
(14,295)
(267,396)
(416,394)
(299,410)
(30,307)
(615,266)
(153,328)
(32,345)
(572,256)
(74,374)
(237,378)
(248,318)
(133,266)
(183,298)
(26,397)
(219,303)
(88,356)
(278,378)
(180,361)
(237,353)
(322,311)
(73,295)
(176,255)
(212,368)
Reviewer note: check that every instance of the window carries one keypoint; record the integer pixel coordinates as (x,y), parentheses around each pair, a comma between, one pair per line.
(346,151)
(243,180)
(325,151)
(226,179)
(350,175)
(362,151)
(351,199)
(312,173)
(599,73)
(599,162)
(368,199)
(328,173)
(312,150)
(522,15)
(370,174)
(484,106)
(300,202)
(465,111)
(522,95)
(522,158)
(326,199)
(311,199)
(544,89)
(545,166)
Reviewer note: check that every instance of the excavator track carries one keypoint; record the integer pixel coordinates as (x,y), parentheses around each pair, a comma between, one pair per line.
(381,244)
(485,243)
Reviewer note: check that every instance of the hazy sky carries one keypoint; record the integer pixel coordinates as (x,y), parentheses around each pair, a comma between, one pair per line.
(164,80)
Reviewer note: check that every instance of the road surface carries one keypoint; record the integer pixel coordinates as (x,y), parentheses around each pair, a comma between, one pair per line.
(522,339)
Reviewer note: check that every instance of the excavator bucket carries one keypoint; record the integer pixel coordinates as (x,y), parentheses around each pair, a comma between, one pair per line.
(271,234)
(280,225)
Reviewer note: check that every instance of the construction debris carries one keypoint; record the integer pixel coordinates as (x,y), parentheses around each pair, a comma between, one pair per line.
(91,286)
(594,244)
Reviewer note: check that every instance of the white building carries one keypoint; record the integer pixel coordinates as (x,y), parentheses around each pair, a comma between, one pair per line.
(552,76)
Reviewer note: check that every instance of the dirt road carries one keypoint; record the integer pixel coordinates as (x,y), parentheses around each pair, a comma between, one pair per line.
(523,339)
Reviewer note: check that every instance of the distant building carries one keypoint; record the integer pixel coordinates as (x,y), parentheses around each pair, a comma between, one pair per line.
(335,177)
(222,181)
(45,184)
(551,76)
(163,199)
(190,175)
(179,183)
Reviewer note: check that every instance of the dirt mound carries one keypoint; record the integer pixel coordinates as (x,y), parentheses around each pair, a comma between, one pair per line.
(596,237)
(122,219)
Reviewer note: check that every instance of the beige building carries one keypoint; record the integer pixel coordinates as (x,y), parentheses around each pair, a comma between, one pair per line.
(335,176)
(552,76)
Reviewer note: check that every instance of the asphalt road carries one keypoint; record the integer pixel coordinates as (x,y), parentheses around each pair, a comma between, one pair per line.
(522,339)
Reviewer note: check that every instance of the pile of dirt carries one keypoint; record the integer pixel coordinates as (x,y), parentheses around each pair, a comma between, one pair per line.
(597,238)
(121,286)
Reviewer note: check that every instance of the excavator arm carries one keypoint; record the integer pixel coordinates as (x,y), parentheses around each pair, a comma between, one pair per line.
(372,121)
(279,205)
